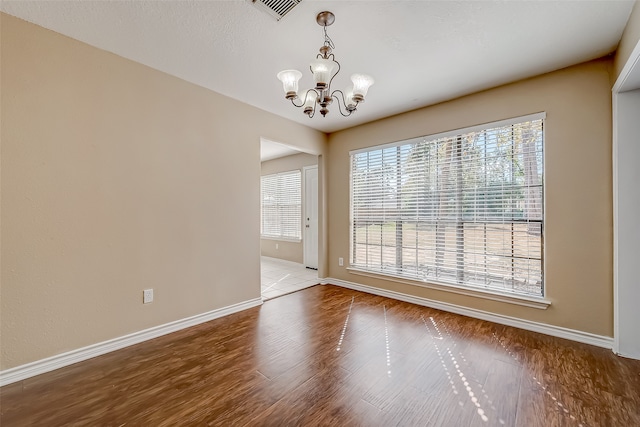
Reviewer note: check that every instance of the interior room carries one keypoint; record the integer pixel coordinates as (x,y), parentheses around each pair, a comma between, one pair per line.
(259,212)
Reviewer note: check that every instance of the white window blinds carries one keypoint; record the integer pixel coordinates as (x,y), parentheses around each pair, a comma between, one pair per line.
(462,208)
(281,205)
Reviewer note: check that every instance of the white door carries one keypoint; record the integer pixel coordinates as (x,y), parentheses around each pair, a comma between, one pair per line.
(311,217)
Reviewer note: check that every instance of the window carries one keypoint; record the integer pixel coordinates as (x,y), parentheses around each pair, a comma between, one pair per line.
(281,205)
(463,208)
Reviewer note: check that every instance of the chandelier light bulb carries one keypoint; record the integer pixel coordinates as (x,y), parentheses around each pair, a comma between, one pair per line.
(349,102)
(323,71)
(310,102)
(361,84)
(289,79)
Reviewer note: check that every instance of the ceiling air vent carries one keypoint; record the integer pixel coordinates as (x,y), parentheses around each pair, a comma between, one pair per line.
(276,8)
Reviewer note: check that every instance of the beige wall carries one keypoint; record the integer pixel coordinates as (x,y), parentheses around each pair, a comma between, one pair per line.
(629,40)
(115,178)
(578,227)
(290,251)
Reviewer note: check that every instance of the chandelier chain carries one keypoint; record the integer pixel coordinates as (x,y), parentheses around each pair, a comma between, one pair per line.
(327,40)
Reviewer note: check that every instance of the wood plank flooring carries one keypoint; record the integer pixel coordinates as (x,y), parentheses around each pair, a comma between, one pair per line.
(328,356)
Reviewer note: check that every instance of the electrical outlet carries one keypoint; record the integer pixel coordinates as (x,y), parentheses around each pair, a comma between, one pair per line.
(147,296)
(341,262)
(277,246)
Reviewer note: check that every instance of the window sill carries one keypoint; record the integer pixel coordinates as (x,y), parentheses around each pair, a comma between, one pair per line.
(281,239)
(533,302)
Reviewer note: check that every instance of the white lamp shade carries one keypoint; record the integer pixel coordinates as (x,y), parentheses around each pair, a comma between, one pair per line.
(323,70)
(289,79)
(348,97)
(361,84)
(310,101)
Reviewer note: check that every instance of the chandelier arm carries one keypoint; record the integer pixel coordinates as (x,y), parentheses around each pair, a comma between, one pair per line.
(294,104)
(333,95)
(304,100)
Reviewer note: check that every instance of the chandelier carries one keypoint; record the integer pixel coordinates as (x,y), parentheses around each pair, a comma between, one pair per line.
(324,68)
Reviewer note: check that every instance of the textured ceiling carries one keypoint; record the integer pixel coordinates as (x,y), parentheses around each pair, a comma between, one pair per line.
(419,52)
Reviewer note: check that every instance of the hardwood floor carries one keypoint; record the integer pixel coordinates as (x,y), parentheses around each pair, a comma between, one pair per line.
(328,356)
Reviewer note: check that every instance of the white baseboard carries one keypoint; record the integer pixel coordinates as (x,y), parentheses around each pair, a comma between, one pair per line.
(556,331)
(38,367)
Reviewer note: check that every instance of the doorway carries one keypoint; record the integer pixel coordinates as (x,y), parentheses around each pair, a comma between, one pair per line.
(289,192)
(626,207)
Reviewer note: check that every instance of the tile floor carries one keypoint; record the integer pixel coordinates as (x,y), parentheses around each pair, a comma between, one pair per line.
(280,277)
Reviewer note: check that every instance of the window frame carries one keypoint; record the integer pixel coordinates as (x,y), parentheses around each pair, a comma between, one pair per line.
(531,300)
